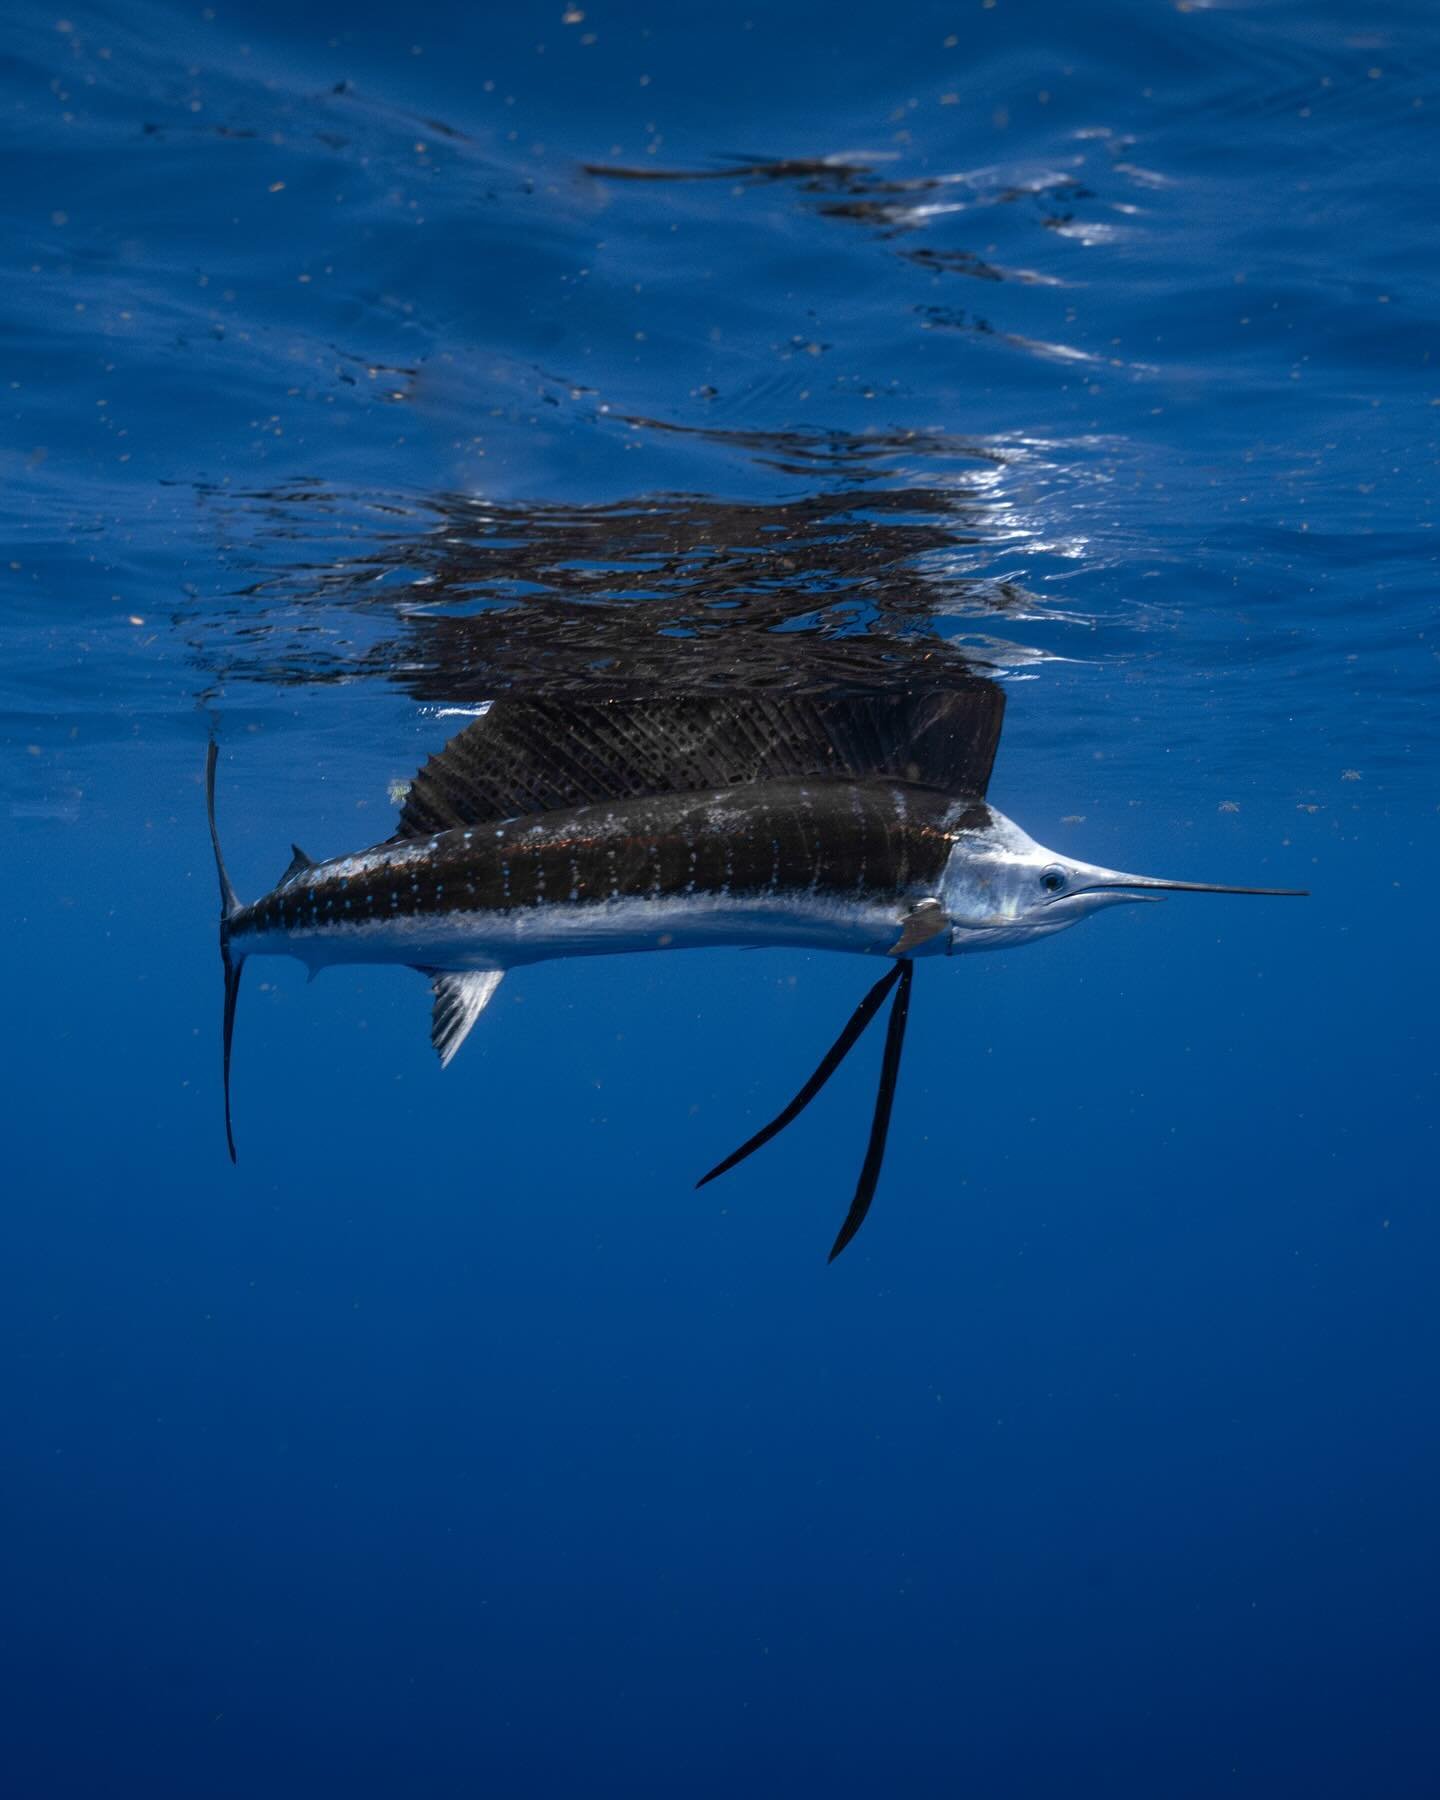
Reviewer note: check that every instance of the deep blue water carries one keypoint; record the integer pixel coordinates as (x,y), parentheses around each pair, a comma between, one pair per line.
(452,1444)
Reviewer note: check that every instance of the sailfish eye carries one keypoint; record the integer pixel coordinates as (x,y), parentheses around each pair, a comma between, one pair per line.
(1053,880)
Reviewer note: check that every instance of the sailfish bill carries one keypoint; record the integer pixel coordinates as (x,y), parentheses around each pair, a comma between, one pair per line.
(550,829)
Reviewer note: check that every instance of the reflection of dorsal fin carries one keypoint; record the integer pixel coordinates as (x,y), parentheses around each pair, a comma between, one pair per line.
(297,865)
(531,756)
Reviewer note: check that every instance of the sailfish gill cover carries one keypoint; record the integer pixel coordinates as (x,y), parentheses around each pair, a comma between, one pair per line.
(670,380)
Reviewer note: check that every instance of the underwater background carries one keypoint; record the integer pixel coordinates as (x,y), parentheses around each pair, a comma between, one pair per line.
(360,364)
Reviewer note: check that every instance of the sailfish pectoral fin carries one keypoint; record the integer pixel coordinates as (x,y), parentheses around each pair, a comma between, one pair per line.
(927,919)
(829,1063)
(880,1124)
(460,998)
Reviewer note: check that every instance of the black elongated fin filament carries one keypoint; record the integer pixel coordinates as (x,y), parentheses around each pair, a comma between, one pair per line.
(880,1124)
(829,1063)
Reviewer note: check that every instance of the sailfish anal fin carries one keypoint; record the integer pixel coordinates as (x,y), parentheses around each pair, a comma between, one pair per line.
(460,998)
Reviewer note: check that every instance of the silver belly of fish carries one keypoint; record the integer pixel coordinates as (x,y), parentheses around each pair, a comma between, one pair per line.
(461,940)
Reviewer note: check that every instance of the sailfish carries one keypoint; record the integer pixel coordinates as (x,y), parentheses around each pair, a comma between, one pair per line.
(556,828)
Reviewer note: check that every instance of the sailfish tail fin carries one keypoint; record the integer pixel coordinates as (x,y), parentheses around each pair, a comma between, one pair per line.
(230,963)
(232,969)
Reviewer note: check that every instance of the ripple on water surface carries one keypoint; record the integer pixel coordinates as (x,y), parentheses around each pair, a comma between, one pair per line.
(520,367)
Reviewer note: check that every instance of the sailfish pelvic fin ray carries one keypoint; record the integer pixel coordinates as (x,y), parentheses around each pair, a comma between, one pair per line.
(829,1063)
(880,1123)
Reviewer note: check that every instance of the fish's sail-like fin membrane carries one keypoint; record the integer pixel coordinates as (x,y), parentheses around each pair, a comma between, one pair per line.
(535,756)
(459,1001)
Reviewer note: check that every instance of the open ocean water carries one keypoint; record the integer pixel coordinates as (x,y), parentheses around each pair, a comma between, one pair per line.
(362,364)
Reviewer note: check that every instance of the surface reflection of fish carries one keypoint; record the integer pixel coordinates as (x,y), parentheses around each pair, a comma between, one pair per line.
(550,829)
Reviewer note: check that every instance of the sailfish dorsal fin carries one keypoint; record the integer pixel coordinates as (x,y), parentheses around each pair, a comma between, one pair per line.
(299,862)
(534,756)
